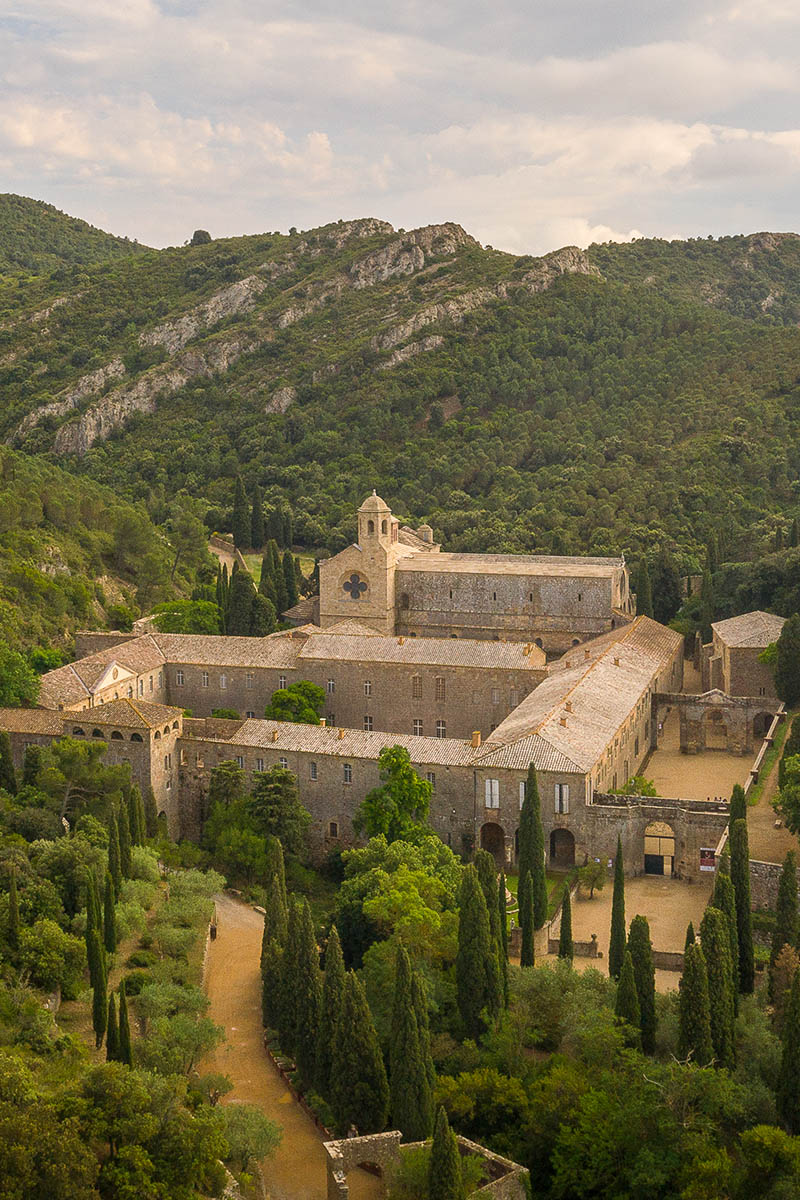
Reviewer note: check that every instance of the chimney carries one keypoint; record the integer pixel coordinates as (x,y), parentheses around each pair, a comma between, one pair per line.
(341,735)
(616,662)
(564,722)
(526,649)
(323,721)
(400,641)
(587,654)
(476,739)
(274,735)
(568,706)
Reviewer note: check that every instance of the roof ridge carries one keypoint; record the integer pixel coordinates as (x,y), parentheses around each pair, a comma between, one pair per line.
(77,676)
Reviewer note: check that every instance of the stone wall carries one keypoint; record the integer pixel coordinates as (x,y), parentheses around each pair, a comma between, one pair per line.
(764,878)
(90,641)
(696,824)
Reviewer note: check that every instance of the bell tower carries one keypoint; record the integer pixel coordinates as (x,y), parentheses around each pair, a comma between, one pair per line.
(358,583)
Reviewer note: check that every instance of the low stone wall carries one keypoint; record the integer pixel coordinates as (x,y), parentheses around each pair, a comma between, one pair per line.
(764,879)
(579,949)
(668,960)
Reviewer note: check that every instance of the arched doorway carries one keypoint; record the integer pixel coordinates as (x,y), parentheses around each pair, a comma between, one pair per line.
(659,849)
(716,730)
(562,849)
(761,724)
(493,839)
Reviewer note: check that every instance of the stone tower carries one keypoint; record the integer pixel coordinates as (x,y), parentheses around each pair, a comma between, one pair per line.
(359,582)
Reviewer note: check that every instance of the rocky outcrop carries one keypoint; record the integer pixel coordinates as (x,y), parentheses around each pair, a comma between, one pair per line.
(87,385)
(568,261)
(452,311)
(409,253)
(173,335)
(411,350)
(280,400)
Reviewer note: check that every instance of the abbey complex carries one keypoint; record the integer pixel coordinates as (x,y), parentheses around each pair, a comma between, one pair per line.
(477,664)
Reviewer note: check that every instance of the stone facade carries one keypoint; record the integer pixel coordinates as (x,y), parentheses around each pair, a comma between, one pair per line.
(730,662)
(716,721)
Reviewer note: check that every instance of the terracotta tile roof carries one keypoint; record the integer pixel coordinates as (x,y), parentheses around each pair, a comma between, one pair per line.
(756,629)
(350,743)
(31,720)
(130,714)
(512,564)
(445,652)
(206,650)
(76,681)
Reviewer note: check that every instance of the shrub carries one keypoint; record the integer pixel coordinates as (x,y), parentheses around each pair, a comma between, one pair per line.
(135,981)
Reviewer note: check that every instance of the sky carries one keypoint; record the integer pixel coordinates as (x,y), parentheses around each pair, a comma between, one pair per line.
(533,124)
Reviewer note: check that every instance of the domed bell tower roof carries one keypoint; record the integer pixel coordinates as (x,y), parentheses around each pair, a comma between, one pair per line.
(374,504)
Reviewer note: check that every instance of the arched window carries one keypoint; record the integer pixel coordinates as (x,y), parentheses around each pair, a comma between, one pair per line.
(116,736)
(174,724)
(96,733)
(166,729)
(156,735)
(137,737)
(78,732)
(370,526)
(384,527)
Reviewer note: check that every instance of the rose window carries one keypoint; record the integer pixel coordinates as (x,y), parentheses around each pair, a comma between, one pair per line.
(355,586)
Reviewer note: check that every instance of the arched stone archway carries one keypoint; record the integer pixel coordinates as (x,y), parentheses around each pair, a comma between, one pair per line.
(493,839)
(659,849)
(716,729)
(761,724)
(562,849)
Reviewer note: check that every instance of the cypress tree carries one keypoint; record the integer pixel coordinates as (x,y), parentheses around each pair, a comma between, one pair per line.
(99,982)
(644,590)
(721,984)
(787,667)
(531,847)
(114,861)
(109,919)
(330,1011)
(565,947)
(526,921)
(307,995)
(124,841)
(445,1181)
(240,606)
(738,805)
(477,975)
(135,812)
(12,931)
(794,533)
(785,931)
(694,1008)
(277,916)
(150,814)
(93,915)
(32,764)
(95,959)
(791,747)
(140,816)
(263,618)
(266,584)
(99,1014)
(420,998)
(240,519)
(125,1053)
(724,899)
(257,536)
(706,606)
(502,915)
(287,1009)
(273,526)
(641,952)
(616,945)
(359,1093)
(787,1093)
(740,878)
(411,1100)
(487,873)
(8,777)
(690,938)
(272,984)
(289,578)
(112,1031)
(627,1006)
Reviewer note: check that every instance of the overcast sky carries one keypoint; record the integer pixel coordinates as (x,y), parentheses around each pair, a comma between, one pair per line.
(534,124)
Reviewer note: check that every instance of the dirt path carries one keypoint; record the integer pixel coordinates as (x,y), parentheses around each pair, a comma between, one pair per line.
(768,844)
(233,982)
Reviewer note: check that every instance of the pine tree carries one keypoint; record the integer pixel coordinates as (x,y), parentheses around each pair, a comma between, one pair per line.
(724,899)
(787,1092)
(644,590)
(641,952)
(289,579)
(150,814)
(740,878)
(12,931)
(125,1052)
(445,1180)
(8,777)
(330,1011)
(359,1093)
(411,1101)
(565,947)
(257,536)
(240,520)
(112,1031)
(32,765)
(307,995)
(114,861)
(785,931)
(627,1007)
(737,810)
(527,955)
(715,942)
(109,919)
(478,985)
(616,945)
(124,841)
(694,1008)
(531,847)
(690,937)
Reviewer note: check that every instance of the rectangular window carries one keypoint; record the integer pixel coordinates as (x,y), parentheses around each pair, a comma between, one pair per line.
(130,691)
(368,724)
(636,747)
(223,681)
(250,713)
(348,773)
(248,679)
(312,770)
(495,695)
(168,785)
(281,681)
(417,727)
(333,829)
(141,687)
(416,687)
(198,760)
(166,762)
(367,687)
(330,720)
(441,729)
(562,798)
(283,762)
(523,787)
(179,678)
(512,699)
(492,793)
(430,777)
(330,687)
(239,760)
(440,688)
(160,678)
(259,764)
(151,683)
(204,679)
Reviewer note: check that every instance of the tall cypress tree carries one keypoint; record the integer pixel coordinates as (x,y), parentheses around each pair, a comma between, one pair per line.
(707,607)
(277,912)
(240,605)
(99,981)
(150,814)
(644,590)
(307,995)
(616,945)
(627,1007)
(565,946)
(359,1093)
(287,1007)
(95,958)
(266,584)
(785,931)
(135,812)
(694,1008)
(502,910)
(445,1181)
(330,1011)
(527,955)
(715,942)
(124,841)
(690,938)
(737,810)
(740,878)
(724,899)
(420,998)
(8,776)
(478,985)
(114,861)
(240,519)
(290,578)
(12,930)
(109,918)
(641,952)
(787,1093)
(112,1031)
(257,519)
(411,1099)
(125,1051)
(487,873)
(272,990)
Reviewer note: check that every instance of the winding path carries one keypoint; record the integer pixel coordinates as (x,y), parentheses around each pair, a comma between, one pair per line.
(297,1171)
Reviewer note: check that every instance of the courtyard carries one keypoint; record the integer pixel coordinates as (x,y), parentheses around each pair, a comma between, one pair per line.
(693,776)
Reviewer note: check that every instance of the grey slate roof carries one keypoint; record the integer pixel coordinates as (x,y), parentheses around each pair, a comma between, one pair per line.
(757,629)
(349,743)
(445,652)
